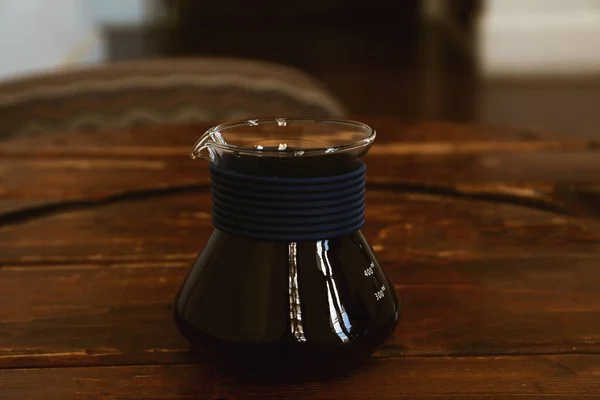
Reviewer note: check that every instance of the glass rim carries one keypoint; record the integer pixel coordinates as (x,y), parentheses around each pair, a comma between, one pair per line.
(370,135)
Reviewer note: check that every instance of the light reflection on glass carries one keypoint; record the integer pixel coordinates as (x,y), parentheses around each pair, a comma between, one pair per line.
(338,317)
(295,309)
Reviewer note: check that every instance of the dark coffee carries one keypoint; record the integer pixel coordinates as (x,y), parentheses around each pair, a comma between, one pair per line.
(294,310)
(248,306)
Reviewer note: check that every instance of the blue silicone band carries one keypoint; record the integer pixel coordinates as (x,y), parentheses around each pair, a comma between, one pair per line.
(288,209)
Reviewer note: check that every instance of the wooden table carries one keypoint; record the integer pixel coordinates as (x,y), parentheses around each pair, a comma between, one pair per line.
(491,237)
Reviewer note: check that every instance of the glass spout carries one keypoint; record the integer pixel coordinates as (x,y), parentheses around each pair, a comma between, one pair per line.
(204,146)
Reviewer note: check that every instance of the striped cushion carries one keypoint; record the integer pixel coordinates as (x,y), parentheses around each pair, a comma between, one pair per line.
(159,91)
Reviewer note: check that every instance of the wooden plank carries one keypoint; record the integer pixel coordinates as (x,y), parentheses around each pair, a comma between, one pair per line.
(80,177)
(543,179)
(175,225)
(537,169)
(167,137)
(89,314)
(107,314)
(386,147)
(12,206)
(528,377)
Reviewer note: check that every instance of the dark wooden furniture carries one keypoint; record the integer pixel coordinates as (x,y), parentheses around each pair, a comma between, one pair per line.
(491,236)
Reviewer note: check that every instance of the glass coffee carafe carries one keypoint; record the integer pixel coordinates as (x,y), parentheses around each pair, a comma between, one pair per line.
(286,285)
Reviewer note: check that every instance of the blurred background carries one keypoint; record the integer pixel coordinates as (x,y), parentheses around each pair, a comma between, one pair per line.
(531,64)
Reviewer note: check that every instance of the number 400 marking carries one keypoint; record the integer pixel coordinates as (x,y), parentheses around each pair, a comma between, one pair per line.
(369,270)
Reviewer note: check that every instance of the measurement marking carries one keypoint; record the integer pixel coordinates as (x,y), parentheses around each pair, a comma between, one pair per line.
(380,294)
(369,270)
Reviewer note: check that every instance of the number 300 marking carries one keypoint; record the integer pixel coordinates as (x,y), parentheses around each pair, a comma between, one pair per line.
(380,294)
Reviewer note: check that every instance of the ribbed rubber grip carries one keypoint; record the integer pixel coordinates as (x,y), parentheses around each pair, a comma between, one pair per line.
(288,209)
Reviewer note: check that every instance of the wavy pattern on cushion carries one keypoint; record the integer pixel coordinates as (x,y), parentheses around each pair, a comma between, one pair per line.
(123,94)
(168,98)
(200,82)
(94,121)
(158,98)
(141,109)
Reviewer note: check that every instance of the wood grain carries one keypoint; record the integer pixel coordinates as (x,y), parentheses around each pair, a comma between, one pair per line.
(176,225)
(547,170)
(455,303)
(490,235)
(169,137)
(531,377)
